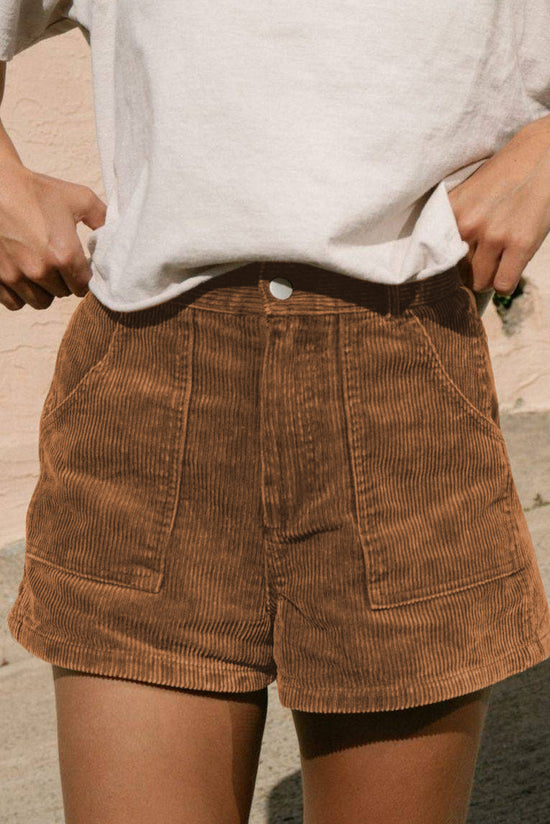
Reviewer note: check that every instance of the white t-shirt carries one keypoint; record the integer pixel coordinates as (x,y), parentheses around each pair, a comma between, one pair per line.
(322,131)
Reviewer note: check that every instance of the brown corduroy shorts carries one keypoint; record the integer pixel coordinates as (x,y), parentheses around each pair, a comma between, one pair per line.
(285,473)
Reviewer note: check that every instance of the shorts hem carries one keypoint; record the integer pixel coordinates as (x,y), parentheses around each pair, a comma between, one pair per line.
(293,695)
(151,668)
(162,669)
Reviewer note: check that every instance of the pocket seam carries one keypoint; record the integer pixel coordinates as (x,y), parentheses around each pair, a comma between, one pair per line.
(143,579)
(103,580)
(97,367)
(363,520)
(447,381)
(517,565)
(446,592)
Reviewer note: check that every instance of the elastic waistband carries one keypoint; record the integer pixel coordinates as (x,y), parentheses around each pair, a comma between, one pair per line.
(285,287)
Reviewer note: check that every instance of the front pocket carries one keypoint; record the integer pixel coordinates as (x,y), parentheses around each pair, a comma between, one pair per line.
(110,456)
(84,351)
(432,479)
(454,340)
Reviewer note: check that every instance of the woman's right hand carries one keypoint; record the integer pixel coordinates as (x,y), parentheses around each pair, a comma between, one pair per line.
(41,256)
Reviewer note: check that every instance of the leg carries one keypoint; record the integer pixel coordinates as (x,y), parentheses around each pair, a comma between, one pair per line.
(132,752)
(415,765)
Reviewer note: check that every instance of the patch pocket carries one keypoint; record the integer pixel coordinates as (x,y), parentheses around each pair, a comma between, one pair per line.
(110,452)
(432,479)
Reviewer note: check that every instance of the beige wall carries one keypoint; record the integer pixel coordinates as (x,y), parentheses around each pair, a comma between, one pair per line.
(48,113)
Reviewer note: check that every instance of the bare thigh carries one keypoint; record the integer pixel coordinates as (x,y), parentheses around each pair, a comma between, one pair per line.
(133,752)
(413,766)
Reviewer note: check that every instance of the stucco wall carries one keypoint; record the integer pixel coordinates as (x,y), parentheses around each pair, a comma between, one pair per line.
(48,113)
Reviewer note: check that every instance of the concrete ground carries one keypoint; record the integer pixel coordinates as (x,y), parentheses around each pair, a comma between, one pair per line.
(511,782)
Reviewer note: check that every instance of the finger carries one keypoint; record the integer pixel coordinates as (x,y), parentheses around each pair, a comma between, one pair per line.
(64,290)
(485,262)
(10,299)
(52,281)
(73,267)
(24,288)
(70,259)
(31,292)
(88,207)
(509,271)
(36,278)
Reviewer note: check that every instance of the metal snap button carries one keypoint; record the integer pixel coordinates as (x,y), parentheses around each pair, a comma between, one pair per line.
(280,288)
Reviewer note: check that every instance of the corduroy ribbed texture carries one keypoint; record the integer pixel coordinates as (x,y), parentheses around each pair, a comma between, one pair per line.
(236,487)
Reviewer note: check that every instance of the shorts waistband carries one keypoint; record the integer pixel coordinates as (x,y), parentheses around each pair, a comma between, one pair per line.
(301,288)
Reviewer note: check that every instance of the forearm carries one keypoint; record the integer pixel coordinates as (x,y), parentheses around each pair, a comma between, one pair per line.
(8,152)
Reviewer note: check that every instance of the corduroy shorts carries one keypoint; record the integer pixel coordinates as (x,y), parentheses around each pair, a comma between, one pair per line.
(283,474)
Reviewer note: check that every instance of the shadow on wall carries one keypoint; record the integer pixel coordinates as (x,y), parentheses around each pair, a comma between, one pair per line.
(511,780)
(510,310)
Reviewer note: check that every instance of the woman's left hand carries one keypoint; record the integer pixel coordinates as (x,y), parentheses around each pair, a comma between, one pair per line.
(503,210)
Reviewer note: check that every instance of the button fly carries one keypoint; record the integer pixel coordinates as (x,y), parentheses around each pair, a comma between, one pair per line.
(280,288)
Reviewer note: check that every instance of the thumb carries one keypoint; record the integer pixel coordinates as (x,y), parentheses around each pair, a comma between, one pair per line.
(88,207)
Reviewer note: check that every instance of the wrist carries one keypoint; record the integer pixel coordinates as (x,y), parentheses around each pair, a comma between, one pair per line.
(536,130)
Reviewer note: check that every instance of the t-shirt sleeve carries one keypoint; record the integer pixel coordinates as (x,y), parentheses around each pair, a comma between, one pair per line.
(25,22)
(534,52)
